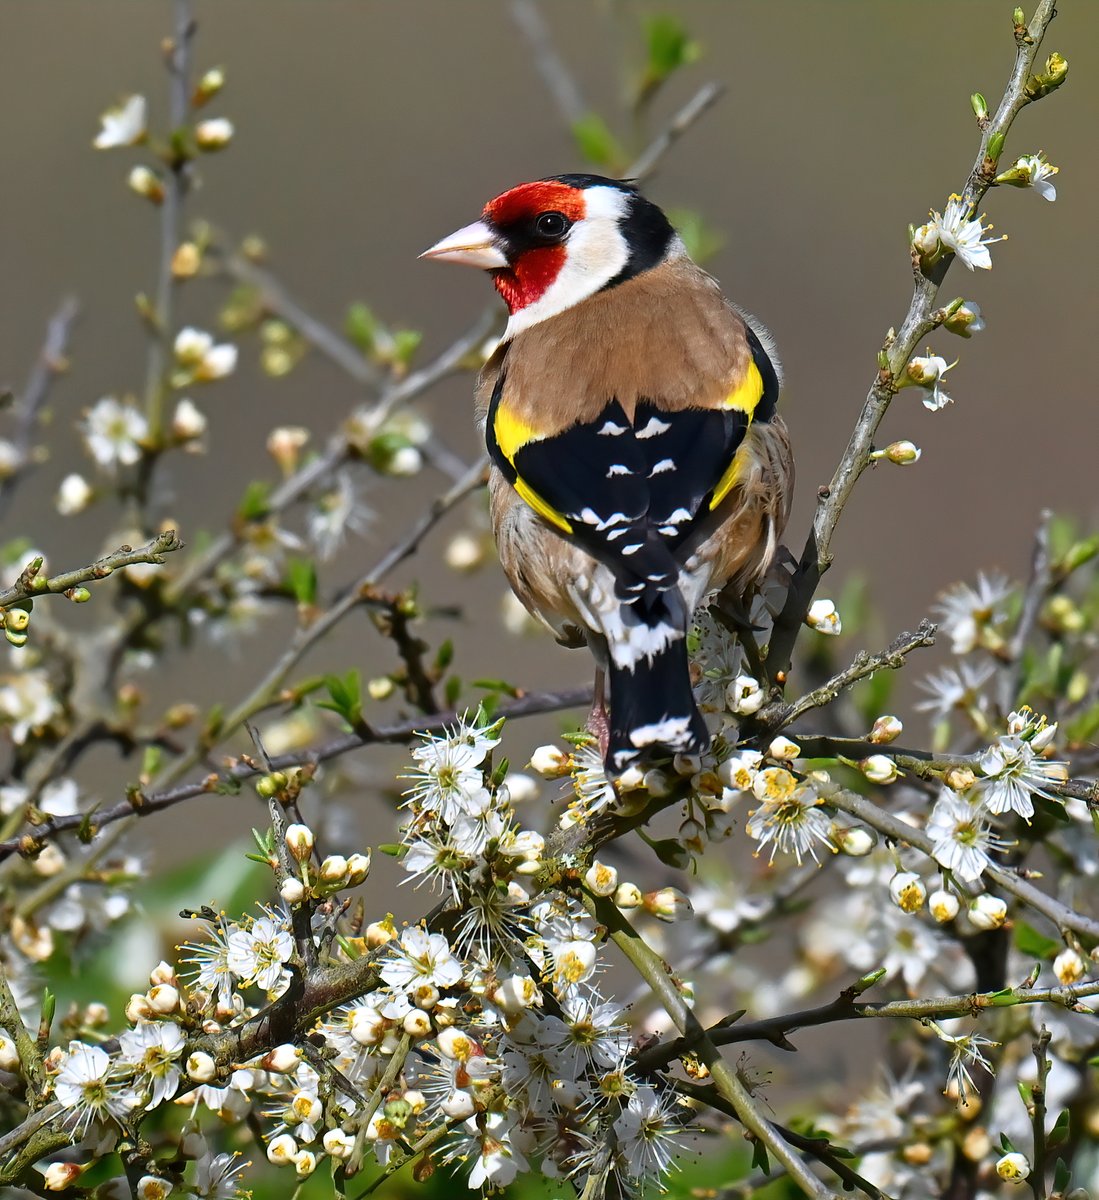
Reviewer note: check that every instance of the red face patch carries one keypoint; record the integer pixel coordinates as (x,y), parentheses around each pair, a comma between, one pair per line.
(529,278)
(529,199)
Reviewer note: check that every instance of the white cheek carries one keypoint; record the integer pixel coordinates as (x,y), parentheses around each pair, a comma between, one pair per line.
(597,252)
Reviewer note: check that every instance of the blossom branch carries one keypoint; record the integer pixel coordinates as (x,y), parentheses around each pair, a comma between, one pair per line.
(663,984)
(228,781)
(31,584)
(922,317)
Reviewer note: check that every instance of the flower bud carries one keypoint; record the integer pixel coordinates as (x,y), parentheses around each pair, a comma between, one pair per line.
(854,842)
(146,183)
(163,972)
(902,453)
(907,891)
(966,320)
(783,749)
(282,1059)
(305,1163)
(404,461)
(657,784)
(879,768)
(368,1026)
(285,444)
(58,1176)
(380,688)
(1014,1167)
(987,912)
(464,552)
(281,1150)
(886,729)
(628,895)
(188,421)
(515,994)
(824,617)
(338,1144)
(9,1055)
(49,862)
(186,261)
(744,696)
(138,1008)
(1069,967)
(299,841)
(668,904)
(164,999)
(601,879)
(74,495)
(208,86)
(213,134)
(201,1067)
(944,905)
(334,870)
(416,1023)
(358,867)
(550,762)
(377,933)
(293,891)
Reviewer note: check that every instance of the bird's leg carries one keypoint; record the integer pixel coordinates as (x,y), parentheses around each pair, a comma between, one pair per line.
(598,723)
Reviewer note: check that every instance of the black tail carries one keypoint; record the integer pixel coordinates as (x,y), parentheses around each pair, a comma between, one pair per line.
(652,710)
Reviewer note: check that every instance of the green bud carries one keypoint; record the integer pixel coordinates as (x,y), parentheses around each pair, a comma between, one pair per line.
(15,639)
(79,595)
(1019,17)
(398,1111)
(979,106)
(16,619)
(995,145)
(270,785)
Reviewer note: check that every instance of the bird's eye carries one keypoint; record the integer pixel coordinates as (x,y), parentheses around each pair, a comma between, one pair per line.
(551,225)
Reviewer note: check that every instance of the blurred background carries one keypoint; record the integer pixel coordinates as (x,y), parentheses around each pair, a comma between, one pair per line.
(367,130)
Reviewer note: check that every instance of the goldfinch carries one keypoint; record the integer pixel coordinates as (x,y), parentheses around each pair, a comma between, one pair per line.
(637,460)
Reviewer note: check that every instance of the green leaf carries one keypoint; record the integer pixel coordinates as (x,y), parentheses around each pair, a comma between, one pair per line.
(760,1161)
(1062,1177)
(301,578)
(405,344)
(452,689)
(362,327)
(1033,944)
(669,46)
(444,656)
(596,142)
(1060,1129)
(1006,1144)
(255,505)
(346,696)
(497,686)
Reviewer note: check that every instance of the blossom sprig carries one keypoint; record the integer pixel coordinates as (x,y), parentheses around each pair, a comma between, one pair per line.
(1031,171)
(955,231)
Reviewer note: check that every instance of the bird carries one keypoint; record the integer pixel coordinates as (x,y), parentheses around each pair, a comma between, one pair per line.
(638,463)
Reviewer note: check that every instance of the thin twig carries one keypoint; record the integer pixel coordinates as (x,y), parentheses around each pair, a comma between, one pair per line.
(26,587)
(50,363)
(1033,598)
(1038,1113)
(559,80)
(229,780)
(920,319)
(646,162)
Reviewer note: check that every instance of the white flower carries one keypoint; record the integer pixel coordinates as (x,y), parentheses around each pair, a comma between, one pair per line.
(1031,170)
(926,373)
(954,689)
(968,615)
(73,495)
(202,361)
(1069,967)
(113,432)
(213,134)
(88,1084)
(966,320)
(788,818)
(152,1049)
(943,905)
(256,955)
(1014,1167)
(188,421)
(744,696)
(123,125)
(594,791)
(907,891)
(649,1133)
(489,1144)
(216,1178)
(962,836)
(448,780)
(27,703)
(334,513)
(987,912)
(1014,772)
(210,958)
(966,1050)
(879,768)
(824,617)
(11,458)
(421,957)
(958,231)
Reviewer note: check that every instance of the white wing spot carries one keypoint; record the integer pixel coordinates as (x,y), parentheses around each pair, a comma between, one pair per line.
(655,426)
(632,549)
(677,518)
(672,731)
(618,469)
(614,534)
(663,466)
(610,429)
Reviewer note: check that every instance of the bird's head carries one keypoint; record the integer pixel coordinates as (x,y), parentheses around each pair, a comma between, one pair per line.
(554,242)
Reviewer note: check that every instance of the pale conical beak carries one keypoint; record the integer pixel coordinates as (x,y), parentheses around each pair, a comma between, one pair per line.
(474,245)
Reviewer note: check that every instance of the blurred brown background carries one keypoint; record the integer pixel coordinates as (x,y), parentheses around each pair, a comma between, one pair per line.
(366,130)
